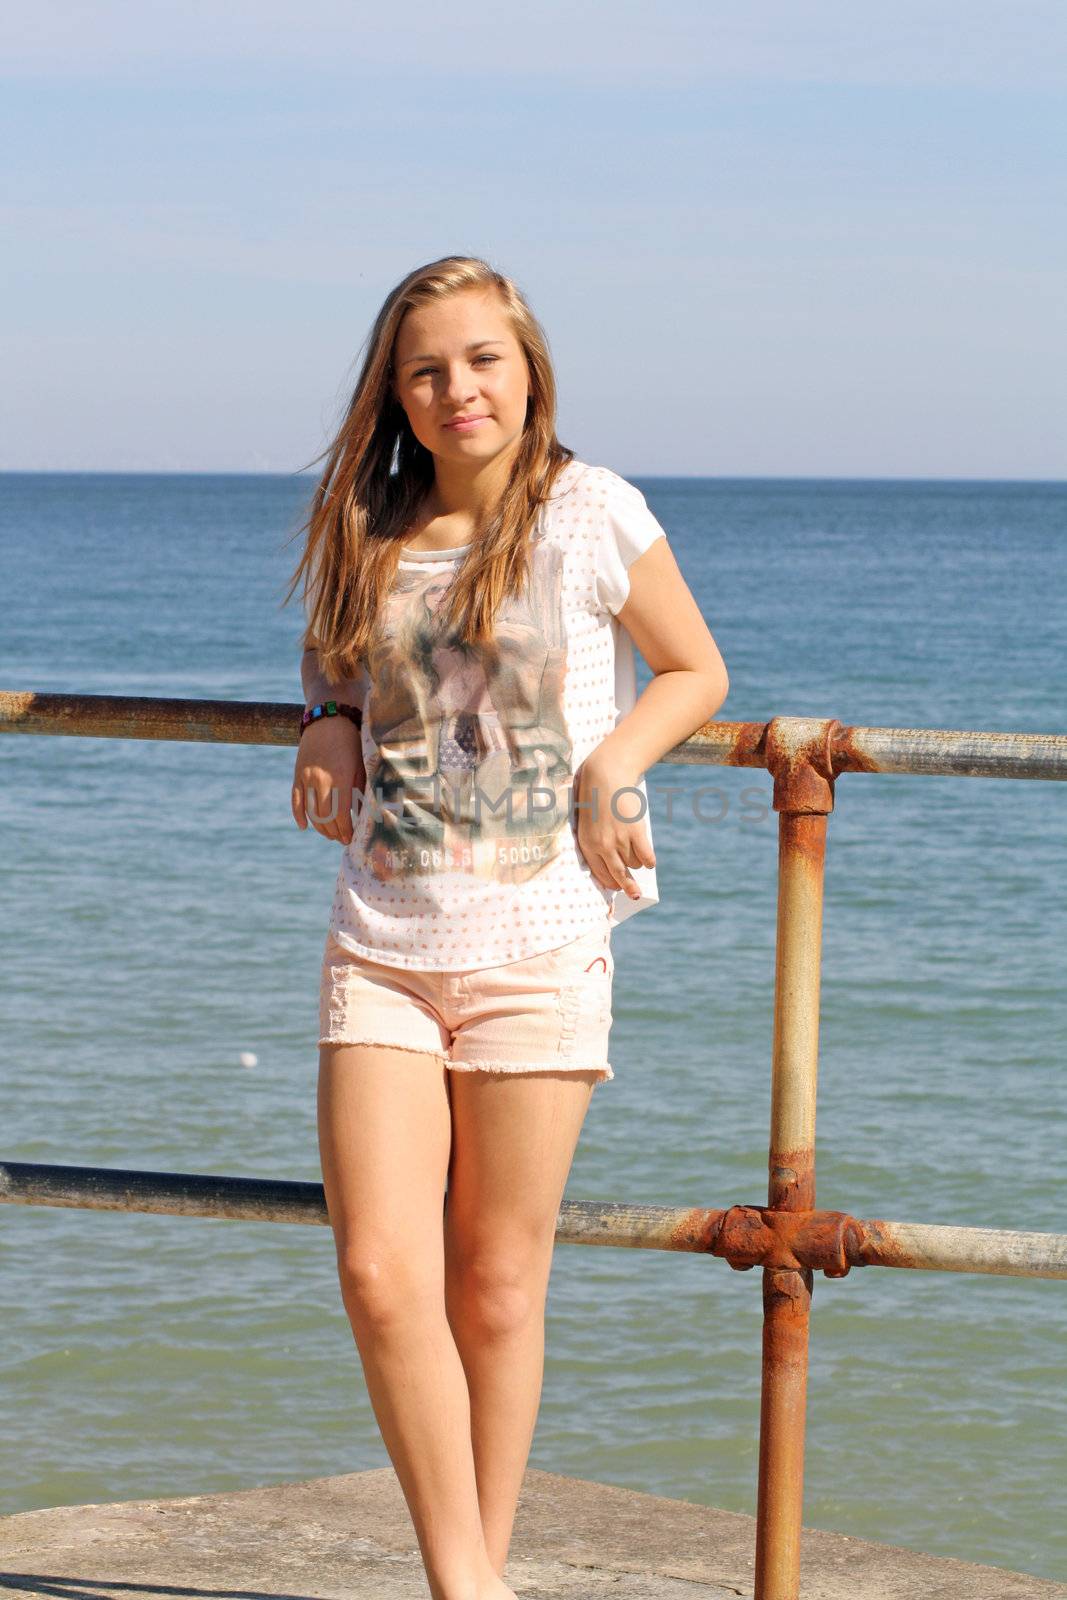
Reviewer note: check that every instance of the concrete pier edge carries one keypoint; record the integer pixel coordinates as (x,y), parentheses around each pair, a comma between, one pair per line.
(351,1536)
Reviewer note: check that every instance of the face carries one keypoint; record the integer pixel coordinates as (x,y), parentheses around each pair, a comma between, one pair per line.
(459,358)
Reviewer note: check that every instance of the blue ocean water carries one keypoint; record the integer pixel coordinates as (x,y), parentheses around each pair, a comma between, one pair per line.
(164,914)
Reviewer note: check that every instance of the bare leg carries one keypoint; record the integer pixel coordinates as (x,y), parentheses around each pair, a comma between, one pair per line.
(514,1136)
(384,1140)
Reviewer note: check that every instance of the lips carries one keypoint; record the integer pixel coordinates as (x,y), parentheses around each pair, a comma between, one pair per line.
(465,422)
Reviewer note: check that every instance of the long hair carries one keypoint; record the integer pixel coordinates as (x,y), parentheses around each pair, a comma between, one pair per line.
(362,508)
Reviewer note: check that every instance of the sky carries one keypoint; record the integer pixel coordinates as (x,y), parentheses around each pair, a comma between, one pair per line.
(780,239)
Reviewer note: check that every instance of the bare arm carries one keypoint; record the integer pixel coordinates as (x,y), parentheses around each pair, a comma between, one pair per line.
(688,686)
(689,681)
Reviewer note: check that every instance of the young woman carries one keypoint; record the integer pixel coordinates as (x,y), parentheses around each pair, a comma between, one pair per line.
(472,590)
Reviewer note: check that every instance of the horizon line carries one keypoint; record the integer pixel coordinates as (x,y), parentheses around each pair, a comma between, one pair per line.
(672,477)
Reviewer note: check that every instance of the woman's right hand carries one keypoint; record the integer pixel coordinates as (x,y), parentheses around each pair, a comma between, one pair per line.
(329,765)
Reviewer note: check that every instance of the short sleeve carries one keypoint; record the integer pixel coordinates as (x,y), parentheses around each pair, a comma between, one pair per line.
(627,529)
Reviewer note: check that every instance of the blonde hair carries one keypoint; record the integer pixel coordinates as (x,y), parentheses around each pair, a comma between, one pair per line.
(361,509)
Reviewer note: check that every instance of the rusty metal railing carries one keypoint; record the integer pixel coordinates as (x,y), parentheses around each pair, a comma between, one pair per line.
(789,1238)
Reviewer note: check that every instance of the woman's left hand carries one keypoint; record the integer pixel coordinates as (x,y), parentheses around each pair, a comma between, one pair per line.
(610,843)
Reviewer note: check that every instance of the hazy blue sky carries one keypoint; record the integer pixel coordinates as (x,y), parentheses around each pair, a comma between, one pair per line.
(779,238)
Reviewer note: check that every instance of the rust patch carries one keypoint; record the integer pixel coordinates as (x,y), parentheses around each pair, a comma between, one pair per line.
(787,1300)
(696,1230)
(795,1190)
(878,1248)
(748,746)
(831,1242)
(846,756)
(803,841)
(798,754)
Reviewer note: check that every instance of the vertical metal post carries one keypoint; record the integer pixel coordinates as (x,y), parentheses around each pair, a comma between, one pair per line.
(799,758)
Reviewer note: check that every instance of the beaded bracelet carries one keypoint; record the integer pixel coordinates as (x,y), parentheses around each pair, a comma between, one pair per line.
(330,708)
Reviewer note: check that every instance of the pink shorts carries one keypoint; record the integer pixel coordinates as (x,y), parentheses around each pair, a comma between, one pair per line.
(544,1013)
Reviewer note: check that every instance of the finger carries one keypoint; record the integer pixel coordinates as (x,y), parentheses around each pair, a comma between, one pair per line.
(297,802)
(619,872)
(344,814)
(641,852)
(323,807)
(625,860)
(636,848)
(630,887)
(605,861)
(598,867)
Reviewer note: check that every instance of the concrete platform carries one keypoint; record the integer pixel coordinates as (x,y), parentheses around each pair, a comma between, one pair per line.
(351,1536)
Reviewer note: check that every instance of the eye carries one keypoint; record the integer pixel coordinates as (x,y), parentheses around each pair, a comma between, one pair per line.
(421,370)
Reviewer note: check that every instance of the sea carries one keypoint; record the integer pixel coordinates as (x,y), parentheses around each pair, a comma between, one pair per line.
(164,919)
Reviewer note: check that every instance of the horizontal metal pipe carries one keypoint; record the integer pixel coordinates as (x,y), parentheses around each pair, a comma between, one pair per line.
(177,1194)
(751,1234)
(951,752)
(944,751)
(107,716)
(944,1248)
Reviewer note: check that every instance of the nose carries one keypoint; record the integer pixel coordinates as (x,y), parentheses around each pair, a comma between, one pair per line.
(459,384)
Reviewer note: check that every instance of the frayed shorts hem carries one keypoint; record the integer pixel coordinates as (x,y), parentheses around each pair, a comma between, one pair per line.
(602,1069)
(392,1044)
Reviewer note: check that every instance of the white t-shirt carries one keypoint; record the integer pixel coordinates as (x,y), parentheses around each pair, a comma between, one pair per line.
(464,852)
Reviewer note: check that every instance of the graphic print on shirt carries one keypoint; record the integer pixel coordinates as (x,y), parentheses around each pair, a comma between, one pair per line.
(472,769)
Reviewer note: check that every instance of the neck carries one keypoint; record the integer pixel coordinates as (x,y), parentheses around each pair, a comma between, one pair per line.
(470,490)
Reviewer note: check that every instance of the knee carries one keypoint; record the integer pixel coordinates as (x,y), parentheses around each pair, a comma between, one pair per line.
(379,1292)
(497,1296)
